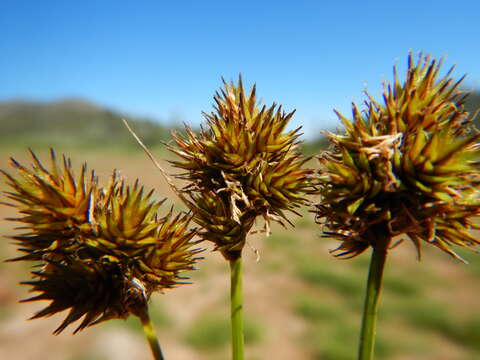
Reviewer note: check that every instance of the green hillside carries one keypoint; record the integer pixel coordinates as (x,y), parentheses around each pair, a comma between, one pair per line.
(473,104)
(72,122)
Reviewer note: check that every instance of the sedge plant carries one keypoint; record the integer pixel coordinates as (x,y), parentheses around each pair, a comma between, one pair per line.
(406,167)
(99,252)
(242,165)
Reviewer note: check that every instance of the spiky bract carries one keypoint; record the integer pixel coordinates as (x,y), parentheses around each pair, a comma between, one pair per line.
(102,251)
(409,166)
(243,165)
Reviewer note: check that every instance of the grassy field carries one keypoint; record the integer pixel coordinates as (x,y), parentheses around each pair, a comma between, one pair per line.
(300,302)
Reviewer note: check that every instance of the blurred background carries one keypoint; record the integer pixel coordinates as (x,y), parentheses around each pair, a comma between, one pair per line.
(69,71)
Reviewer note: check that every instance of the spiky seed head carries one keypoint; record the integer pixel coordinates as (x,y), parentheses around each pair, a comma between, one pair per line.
(246,157)
(107,261)
(408,166)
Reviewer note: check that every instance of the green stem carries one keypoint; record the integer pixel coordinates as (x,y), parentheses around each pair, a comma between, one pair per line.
(236,304)
(374,287)
(149,332)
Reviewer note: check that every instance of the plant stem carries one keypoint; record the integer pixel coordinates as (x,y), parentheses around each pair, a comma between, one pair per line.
(149,332)
(374,287)
(236,303)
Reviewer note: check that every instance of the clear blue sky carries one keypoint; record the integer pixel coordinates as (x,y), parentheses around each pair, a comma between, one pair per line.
(165,58)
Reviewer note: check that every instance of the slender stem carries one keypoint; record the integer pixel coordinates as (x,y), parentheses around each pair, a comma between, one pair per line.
(149,332)
(374,287)
(236,303)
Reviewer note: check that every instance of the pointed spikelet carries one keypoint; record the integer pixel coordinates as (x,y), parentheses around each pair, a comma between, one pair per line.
(53,206)
(214,217)
(105,259)
(152,249)
(408,167)
(91,289)
(247,160)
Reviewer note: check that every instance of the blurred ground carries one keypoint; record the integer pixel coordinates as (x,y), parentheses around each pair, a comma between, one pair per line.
(300,303)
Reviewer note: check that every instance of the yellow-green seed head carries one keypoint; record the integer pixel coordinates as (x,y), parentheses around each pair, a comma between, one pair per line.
(408,166)
(101,259)
(53,207)
(246,158)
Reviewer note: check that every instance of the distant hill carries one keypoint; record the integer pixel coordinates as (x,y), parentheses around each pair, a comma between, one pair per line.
(473,104)
(78,122)
(72,122)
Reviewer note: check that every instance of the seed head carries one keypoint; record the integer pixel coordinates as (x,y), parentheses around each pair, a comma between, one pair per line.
(243,164)
(101,251)
(405,167)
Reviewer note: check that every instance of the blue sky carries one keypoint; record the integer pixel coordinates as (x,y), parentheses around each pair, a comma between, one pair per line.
(164,59)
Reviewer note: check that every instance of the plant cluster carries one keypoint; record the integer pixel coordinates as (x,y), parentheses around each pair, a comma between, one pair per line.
(404,167)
